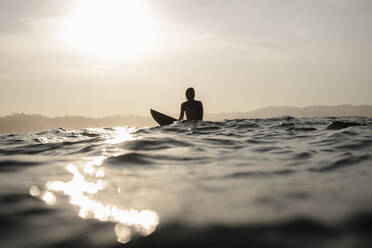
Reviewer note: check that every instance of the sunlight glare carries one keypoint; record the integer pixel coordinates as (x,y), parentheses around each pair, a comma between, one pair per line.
(34,191)
(81,193)
(122,134)
(49,198)
(110,29)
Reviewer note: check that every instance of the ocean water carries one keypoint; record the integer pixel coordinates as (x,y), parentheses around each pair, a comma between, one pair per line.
(279,182)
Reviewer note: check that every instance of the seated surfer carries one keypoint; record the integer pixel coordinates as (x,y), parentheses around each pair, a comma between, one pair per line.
(193,108)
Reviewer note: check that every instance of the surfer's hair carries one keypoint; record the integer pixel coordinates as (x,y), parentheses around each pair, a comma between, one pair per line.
(190,93)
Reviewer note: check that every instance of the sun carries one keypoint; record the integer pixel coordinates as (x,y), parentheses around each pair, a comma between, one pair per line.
(110,29)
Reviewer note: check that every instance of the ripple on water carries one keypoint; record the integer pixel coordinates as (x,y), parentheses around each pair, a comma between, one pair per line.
(342,163)
(15,165)
(303,155)
(245,174)
(154,144)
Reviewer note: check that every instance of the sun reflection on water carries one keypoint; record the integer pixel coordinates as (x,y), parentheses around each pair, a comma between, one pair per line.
(122,134)
(81,193)
(49,198)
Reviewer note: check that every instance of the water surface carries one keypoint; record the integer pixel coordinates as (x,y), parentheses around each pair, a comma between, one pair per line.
(279,182)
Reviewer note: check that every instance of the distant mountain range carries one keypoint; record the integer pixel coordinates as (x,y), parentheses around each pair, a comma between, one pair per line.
(19,123)
(310,111)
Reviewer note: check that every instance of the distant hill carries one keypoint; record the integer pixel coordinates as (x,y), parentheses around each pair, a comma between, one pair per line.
(19,123)
(311,111)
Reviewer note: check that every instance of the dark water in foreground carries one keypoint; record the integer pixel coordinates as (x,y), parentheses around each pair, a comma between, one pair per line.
(282,182)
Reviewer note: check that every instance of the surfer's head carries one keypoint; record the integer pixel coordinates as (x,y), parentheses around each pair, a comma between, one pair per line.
(190,93)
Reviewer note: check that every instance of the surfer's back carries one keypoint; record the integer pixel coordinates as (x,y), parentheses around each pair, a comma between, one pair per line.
(193,109)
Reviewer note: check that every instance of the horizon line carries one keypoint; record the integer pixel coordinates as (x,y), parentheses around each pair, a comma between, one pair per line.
(207,113)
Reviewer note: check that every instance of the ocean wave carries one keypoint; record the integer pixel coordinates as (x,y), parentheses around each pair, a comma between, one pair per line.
(278,182)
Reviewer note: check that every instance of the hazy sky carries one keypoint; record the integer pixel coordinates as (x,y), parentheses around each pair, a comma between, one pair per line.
(105,57)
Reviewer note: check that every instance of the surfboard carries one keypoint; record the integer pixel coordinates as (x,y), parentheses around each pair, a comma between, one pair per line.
(162,119)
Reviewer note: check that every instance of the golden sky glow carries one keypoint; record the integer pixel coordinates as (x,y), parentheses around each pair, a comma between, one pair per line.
(99,58)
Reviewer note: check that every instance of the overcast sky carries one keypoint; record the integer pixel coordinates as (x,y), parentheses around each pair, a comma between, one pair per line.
(239,55)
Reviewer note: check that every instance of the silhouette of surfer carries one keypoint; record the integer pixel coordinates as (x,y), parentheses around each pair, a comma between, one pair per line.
(193,108)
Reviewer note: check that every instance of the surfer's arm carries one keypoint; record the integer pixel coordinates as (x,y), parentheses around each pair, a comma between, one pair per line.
(201,111)
(182,112)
